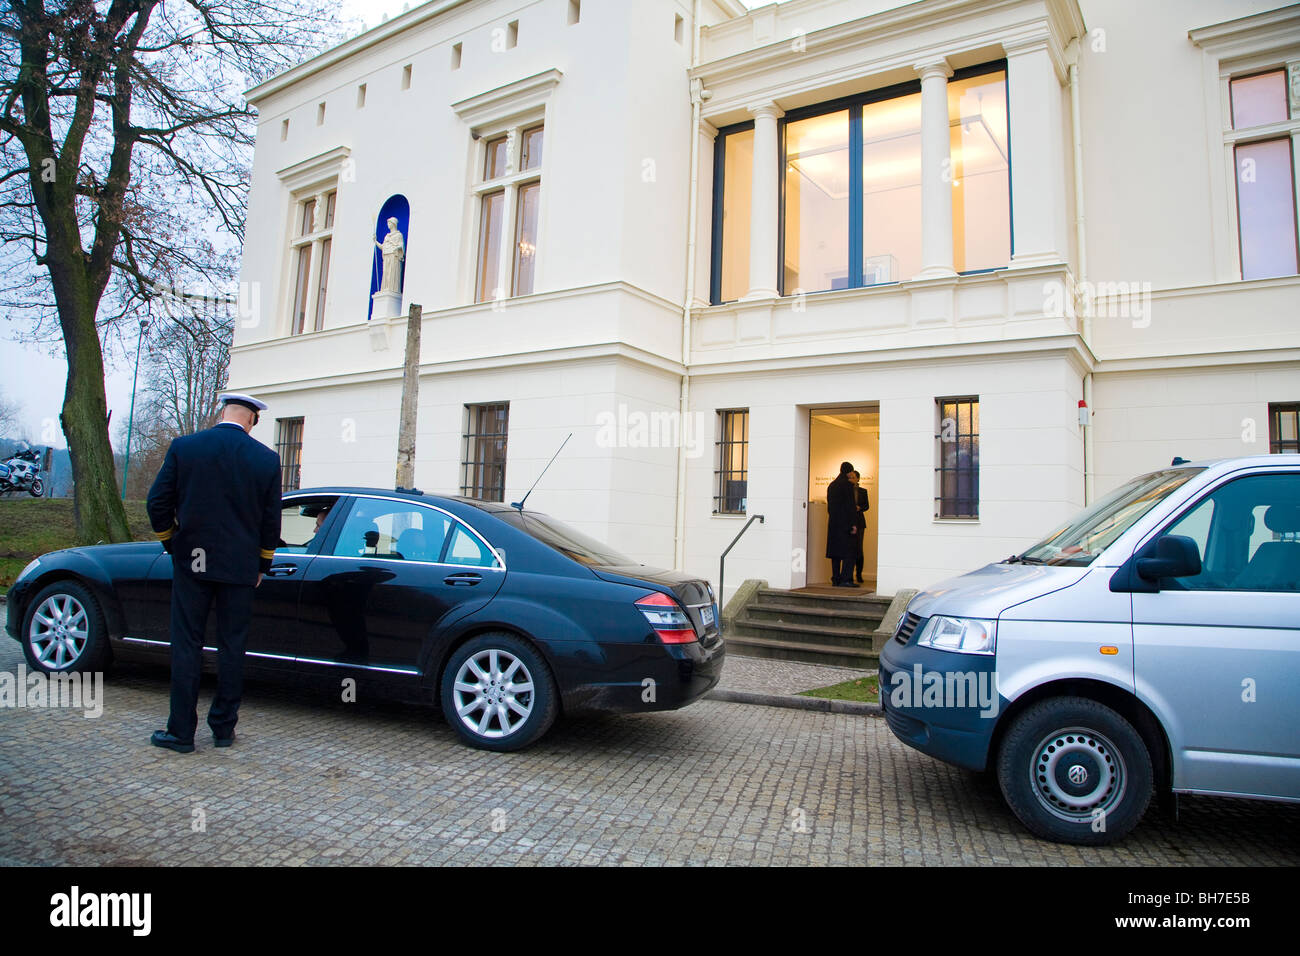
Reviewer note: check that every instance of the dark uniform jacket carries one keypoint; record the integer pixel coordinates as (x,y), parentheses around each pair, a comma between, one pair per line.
(864,505)
(841,517)
(218,491)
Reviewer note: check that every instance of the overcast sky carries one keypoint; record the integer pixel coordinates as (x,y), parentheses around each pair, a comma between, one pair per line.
(35,378)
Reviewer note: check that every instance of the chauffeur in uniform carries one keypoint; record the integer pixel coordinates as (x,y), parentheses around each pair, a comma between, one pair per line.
(215,506)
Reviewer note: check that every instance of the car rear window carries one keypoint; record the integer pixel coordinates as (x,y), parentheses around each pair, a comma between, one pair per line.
(568,541)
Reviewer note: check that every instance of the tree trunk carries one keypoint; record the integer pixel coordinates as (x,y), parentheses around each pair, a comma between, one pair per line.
(96,504)
(410,400)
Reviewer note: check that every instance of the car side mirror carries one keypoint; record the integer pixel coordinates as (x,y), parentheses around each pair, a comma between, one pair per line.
(1169,556)
(1175,556)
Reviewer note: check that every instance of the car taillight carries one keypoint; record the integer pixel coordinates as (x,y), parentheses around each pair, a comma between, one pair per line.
(667,618)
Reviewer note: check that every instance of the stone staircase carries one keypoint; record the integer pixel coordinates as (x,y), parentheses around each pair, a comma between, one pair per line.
(814,626)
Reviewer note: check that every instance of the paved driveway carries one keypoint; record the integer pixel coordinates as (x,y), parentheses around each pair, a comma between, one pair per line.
(316,780)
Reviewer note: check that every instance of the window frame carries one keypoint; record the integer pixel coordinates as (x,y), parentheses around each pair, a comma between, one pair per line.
(1275,443)
(721,447)
(343,509)
(319,243)
(511,184)
(940,502)
(473,414)
(282,445)
(854,104)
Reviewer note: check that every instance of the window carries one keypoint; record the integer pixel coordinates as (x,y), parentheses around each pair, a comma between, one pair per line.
(303,524)
(509,203)
(1284,428)
(1265,175)
(310,251)
(958,471)
(1248,533)
(851,188)
(483,464)
(731,476)
(288,445)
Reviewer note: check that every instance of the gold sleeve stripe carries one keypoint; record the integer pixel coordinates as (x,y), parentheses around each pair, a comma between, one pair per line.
(267,555)
(164,535)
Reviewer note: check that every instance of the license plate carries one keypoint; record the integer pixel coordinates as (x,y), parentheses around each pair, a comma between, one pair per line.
(706,616)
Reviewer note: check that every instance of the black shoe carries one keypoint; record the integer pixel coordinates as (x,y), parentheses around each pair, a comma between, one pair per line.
(223,741)
(161,738)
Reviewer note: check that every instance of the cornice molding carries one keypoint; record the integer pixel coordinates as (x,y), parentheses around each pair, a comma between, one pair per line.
(1264,32)
(315,169)
(504,102)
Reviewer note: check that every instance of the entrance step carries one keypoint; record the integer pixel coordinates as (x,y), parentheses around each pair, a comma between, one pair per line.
(814,627)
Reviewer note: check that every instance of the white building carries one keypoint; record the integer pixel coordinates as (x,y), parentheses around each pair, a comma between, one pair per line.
(915,236)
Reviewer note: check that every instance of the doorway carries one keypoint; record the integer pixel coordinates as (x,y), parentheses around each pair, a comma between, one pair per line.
(847,433)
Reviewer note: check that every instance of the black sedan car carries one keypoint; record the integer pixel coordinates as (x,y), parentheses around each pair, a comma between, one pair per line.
(504,617)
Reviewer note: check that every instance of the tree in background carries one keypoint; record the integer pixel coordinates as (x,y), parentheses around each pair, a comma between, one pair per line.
(187,364)
(126,145)
(10,417)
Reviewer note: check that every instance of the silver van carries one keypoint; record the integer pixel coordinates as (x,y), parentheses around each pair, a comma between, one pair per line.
(1152,643)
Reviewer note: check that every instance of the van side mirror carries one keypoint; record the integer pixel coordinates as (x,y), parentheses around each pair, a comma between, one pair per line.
(1168,556)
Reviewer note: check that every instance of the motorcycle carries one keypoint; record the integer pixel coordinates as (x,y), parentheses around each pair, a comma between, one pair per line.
(22,473)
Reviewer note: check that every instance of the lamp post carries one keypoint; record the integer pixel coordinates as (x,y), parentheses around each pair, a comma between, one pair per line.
(130,421)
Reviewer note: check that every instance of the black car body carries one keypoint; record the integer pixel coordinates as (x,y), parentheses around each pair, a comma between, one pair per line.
(433,597)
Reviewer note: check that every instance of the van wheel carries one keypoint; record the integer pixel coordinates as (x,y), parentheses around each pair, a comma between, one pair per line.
(1074,771)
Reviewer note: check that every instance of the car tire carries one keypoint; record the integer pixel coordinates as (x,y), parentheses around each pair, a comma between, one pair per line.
(482,698)
(1073,770)
(64,630)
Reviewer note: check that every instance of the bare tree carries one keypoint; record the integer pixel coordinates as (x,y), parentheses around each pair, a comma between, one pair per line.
(126,144)
(10,416)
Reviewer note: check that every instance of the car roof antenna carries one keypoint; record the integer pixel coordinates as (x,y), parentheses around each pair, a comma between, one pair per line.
(519,505)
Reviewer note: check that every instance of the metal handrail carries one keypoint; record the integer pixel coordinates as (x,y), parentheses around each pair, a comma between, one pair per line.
(722,568)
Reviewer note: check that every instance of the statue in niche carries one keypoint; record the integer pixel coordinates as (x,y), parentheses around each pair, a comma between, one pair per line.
(393,251)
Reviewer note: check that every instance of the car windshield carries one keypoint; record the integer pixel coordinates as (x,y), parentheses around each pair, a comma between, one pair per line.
(1078,542)
(569,542)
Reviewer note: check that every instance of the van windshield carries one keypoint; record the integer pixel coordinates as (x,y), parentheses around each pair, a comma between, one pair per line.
(1078,542)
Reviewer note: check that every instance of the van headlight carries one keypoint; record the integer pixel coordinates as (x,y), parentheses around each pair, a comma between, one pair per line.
(965,635)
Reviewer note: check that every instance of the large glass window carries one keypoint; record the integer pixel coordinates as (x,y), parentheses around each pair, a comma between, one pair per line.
(732,204)
(288,445)
(981,182)
(1284,428)
(310,251)
(891,189)
(509,207)
(1265,177)
(817,203)
(851,189)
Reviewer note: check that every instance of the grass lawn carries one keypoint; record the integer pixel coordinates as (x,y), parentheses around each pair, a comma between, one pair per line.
(864,689)
(30,527)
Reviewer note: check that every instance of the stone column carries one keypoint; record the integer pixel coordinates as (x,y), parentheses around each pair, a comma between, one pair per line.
(764,211)
(936,171)
(1038,177)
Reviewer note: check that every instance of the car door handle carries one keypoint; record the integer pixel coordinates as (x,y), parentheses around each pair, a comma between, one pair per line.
(281,570)
(463,579)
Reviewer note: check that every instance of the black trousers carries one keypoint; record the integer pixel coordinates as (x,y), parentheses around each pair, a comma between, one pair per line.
(858,560)
(841,570)
(192,599)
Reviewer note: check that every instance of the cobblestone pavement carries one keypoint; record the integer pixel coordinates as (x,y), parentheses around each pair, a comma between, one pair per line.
(312,780)
(762,676)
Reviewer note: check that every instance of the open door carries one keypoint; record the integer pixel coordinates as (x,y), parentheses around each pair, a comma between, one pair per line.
(849,433)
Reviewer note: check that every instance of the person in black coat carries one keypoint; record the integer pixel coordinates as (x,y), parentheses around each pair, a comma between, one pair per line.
(863,504)
(841,527)
(215,506)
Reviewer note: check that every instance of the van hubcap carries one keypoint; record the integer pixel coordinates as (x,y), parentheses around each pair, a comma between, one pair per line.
(1077,774)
